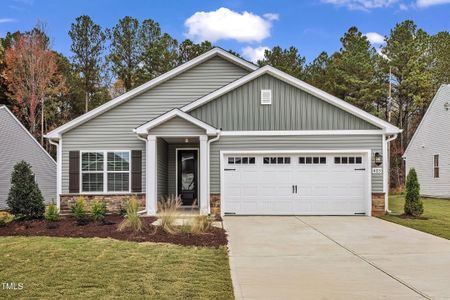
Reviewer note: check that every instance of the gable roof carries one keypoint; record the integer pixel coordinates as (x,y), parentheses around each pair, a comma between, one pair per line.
(441,90)
(144,128)
(387,127)
(26,131)
(56,133)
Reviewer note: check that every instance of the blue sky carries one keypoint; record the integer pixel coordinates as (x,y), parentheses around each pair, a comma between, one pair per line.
(244,26)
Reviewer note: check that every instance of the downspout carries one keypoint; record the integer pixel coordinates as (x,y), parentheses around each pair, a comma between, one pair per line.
(145,141)
(208,167)
(58,171)
(388,167)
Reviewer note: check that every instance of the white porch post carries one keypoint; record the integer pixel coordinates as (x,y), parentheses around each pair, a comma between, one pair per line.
(204,197)
(151,201)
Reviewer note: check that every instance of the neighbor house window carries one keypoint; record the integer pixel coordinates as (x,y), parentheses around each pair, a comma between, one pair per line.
(436,166)
(105,171)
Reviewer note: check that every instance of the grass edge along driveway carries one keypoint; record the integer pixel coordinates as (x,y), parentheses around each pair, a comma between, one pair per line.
(50,267)
(435,219)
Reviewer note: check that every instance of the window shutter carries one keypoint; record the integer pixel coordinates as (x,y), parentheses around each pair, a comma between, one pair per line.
(74,171)
(136,171)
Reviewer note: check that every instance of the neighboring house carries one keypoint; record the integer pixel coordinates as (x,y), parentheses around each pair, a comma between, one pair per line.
(429,149)
(17,144)
(218,130)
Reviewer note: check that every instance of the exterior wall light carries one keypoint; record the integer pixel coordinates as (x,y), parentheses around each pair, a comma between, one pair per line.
(378,159)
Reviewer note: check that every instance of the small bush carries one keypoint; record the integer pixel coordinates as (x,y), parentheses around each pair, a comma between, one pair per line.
(413,202)
(5,218)
(132,218)
(79,211)
(201,224)
(98,210)
(51,213)
(168,213)
(25,198)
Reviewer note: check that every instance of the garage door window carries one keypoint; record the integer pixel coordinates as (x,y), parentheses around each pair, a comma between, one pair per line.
(316,160)
(348,160)
(278,160)
(244,160)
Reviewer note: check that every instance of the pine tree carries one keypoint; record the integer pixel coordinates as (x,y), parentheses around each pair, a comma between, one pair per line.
(413,203)
(25,197)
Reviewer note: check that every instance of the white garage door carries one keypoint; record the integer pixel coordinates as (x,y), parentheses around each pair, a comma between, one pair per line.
(314,184)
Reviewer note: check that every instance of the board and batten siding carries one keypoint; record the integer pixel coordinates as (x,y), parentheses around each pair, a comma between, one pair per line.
(432,138)
(291,109)
(177,126)
(113,130)
(17,145)
(162,159)
(316,142)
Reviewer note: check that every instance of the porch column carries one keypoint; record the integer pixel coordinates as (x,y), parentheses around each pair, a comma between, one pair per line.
(151,197)
(204,199)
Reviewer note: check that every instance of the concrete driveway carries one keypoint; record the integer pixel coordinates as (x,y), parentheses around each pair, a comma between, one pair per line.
(335,258)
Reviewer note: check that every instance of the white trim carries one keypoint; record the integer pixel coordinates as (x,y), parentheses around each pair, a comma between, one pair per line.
(56,133)
(301,132)
(105,173)
(144,129)
(367,153)
(28,133)
(198,172)
(58,171)
(299,84)
(203,176)
(151,177)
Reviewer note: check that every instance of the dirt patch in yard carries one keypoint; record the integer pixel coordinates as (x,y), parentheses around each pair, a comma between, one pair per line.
(67,227)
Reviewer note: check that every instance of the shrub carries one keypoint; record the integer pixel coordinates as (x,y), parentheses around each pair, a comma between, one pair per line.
(98,210)
(25,198)
(51,213)
(5,218)
(201,224)
(79,211)
(132,218)
(413,202)
(168,213)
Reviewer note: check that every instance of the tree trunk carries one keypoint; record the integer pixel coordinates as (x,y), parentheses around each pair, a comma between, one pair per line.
(86,99)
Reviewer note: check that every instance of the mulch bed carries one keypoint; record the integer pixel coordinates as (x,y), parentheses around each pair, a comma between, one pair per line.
(67,227)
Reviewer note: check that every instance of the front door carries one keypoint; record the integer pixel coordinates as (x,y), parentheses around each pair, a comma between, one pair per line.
(187,167)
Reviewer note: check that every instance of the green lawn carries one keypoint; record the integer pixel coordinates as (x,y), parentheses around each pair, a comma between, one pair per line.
(103,268)
(436,216)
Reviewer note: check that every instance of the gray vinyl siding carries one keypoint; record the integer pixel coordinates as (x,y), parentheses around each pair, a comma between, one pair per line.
(177,126)
(332,142)
(172,160)
(432,138)
(16,145)
(114,128)
(162,166)
(291,109)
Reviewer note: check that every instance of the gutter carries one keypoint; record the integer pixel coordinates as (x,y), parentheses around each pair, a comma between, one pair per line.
(145,141)
(386,199)
(208,167)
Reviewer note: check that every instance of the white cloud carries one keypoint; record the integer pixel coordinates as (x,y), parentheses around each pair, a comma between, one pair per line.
(427,3)
(7,20)
(225,24)
(362,4)
(403,6)
(375,38)
(254,54)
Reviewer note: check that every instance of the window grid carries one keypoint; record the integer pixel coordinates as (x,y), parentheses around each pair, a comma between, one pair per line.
(241,160)
(348,160)
(276,160)
(436,166)
(312,160)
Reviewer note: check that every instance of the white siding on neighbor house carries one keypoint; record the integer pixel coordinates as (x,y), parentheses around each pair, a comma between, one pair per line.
(113,130)
(16,145)
(432,137)
(312,142)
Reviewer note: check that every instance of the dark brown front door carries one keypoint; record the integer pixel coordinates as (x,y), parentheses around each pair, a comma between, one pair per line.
(187,176)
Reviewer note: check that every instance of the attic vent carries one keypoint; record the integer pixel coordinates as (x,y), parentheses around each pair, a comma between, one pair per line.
(266,97)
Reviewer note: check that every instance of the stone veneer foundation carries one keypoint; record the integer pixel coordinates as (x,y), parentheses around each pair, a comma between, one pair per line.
(378,208)
(114,202)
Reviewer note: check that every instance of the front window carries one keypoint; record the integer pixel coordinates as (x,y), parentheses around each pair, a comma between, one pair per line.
(105,175)
(436,166)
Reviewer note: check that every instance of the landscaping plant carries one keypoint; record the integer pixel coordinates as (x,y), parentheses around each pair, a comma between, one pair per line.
(168,213)
(413,202)
(51,215)
(98,210)
(131,218)
(79,211)
(201,224)
(25,198)
(5,218)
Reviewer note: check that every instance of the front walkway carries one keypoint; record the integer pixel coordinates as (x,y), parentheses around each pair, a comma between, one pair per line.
(335,258)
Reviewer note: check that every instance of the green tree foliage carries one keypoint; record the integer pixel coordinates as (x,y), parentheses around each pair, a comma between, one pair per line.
(440,53)
(319,73)
(287,60)
(188,50)
(88,44)
(413,202)
(25,198)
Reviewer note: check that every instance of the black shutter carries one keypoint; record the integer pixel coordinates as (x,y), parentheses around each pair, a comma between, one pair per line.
(136,171)
(74,171)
